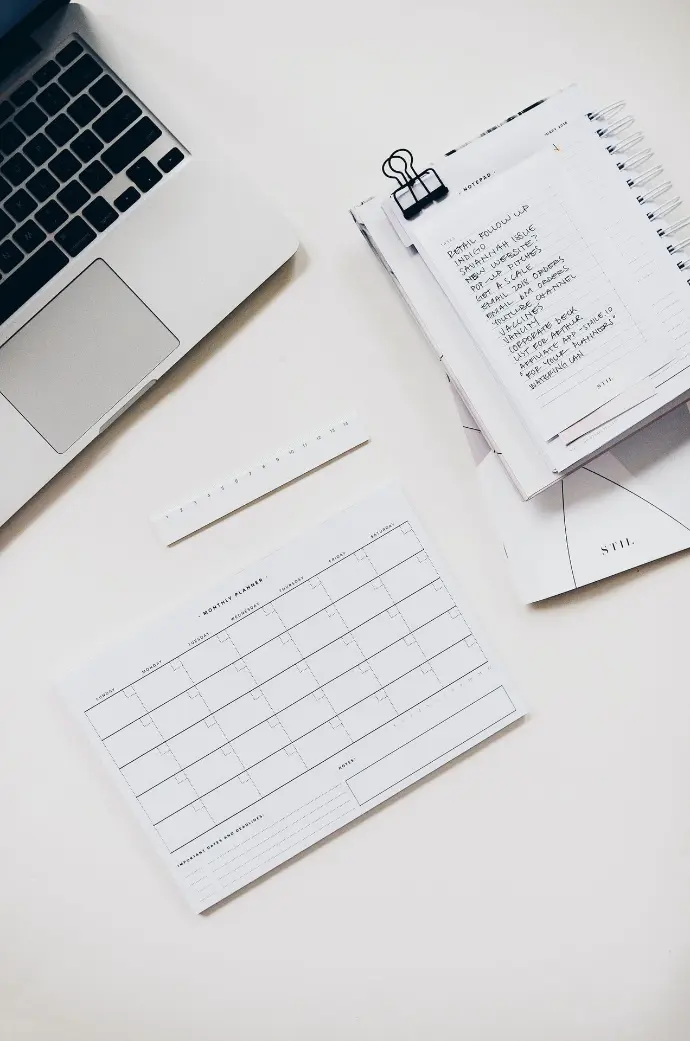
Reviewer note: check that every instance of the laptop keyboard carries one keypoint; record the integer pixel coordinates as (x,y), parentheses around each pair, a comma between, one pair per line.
(77,150)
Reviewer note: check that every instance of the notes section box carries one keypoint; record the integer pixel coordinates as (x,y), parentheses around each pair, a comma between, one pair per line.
(466,725)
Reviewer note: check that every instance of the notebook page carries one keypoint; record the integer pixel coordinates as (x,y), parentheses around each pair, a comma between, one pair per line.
(291,699)
(625,220)
(562,120)
(542,292)
(455,348)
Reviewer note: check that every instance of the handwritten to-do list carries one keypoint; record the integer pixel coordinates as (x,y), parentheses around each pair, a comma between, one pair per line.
(292,698)
(543,293)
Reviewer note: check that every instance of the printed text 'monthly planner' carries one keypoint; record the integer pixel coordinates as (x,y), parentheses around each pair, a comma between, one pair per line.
(292,698)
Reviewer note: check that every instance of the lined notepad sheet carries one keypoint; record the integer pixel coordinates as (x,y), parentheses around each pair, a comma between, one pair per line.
(561,121)
(292,698)
(554,308)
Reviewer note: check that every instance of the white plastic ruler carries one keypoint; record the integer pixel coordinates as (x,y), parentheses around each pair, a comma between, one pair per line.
(262,478)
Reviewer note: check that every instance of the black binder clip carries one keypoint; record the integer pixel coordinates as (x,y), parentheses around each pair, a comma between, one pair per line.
(416,191)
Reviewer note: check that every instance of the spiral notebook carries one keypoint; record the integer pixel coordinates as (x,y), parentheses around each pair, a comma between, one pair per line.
(597,178)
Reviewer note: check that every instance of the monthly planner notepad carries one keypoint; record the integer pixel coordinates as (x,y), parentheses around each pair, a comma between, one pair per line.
(292,698)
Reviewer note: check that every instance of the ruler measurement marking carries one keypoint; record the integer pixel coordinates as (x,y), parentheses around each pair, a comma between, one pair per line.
(286,466)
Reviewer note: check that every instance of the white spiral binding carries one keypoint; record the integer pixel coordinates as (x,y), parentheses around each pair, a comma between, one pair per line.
(654,195)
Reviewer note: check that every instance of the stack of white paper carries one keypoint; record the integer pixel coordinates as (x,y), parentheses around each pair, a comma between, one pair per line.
(561,321)
(626,506)
(583,336)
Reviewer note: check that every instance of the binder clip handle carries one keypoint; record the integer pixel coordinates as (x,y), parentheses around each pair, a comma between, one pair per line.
(415,192)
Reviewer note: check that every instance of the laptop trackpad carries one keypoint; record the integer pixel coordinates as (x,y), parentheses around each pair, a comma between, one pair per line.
(81,354)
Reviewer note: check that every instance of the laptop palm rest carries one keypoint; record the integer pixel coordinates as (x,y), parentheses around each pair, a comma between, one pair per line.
(81,354)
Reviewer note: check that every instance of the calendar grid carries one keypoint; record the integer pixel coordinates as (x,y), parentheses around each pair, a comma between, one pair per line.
(269,603)
(309,675)
(250,805)
(340,676)
(156,823)
(211,675)
(238,698)
(242,735)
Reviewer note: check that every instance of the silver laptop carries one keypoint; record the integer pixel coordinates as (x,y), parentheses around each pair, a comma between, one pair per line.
(126,234)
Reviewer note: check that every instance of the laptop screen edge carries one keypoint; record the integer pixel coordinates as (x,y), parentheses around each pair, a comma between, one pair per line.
(25,16)
(13,43)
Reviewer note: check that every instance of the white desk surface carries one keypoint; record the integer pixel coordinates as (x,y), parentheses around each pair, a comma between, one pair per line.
(536,889)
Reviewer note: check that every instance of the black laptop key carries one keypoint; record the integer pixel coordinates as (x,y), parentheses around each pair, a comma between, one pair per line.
(31,118)
(52,99)
(5,188)
(10,256)
(79,75)
(73,196)
(75,236)
(36,272)
(105,90)
(64,165)
(95,176)
(11,137)
(62,130)
(6,224)
(83,110)
(29,236)
(100,214)
(127,199)
(86,146)
(6,110)
(39,149)
(170,160)
(67,55)
(42,185)
(24,93)
(17,169)
(51,216)
(144,174)
(131,144)
(20,205)
(111,124)
(46,73)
